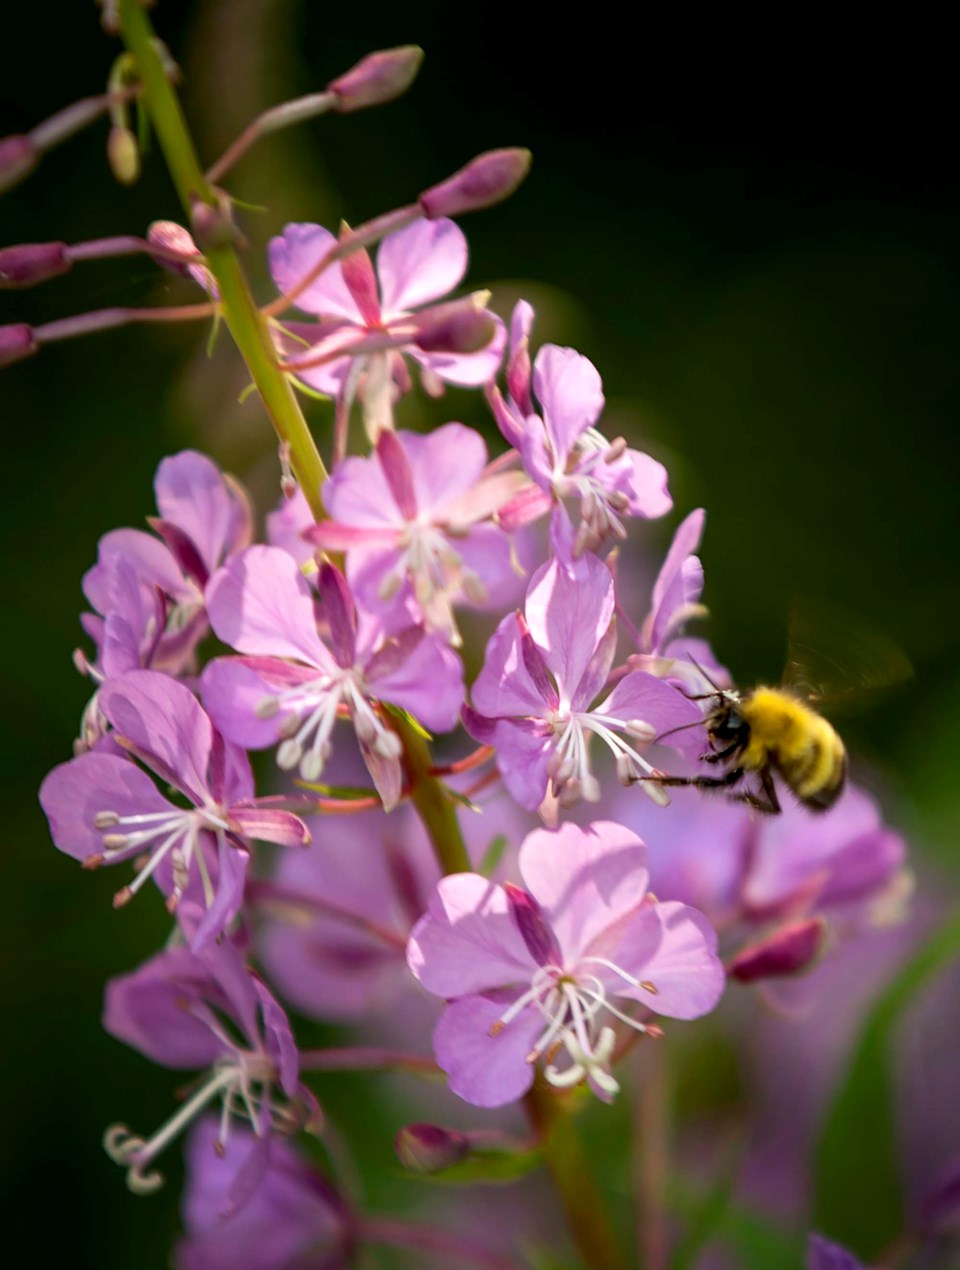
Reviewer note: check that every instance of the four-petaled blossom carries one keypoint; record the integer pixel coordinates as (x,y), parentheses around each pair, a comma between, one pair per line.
(290,686)
(363,311)
(535,971)
(570,461)
(533,698)
(294,1217)
(148,592)
(415,522)
(103,808)
(193,1011)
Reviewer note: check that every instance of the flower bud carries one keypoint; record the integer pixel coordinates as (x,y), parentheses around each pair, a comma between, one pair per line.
(376,78)
(123,155)
(29,263)
(18,157)
(212,224)
(426,1148)
(487,179)
(786,951)
(16,342)
(462,326)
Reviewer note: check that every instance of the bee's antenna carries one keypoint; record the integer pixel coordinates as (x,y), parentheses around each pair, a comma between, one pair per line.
(710,680)
(697,723)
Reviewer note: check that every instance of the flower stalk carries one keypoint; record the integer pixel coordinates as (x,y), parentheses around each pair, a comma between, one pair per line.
(244,320)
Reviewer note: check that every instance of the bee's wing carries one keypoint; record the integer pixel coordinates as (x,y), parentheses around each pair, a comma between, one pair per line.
(836,658)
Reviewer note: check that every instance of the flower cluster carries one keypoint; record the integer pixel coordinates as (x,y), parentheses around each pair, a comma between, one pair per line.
(477,901)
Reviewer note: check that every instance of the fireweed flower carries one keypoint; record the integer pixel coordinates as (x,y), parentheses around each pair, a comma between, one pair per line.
(532,699)
(294,1217)
(148,592)
(104,809)
(353,301)
(334,922)
(565,455)
(189,1011)
(824,1255)
(530,972)
(415,522)
(290,687)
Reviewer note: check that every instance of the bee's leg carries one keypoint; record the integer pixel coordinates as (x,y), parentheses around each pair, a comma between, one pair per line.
(769,803)
(719,756)
(700,782)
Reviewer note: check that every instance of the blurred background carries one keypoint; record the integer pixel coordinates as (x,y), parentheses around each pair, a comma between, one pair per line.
(751,232)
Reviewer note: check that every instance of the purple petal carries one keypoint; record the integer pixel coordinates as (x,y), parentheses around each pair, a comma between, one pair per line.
(420,263)
(568,615)
(361,281)
(233,689)
(785,951)
(261,605)
(485,1070)
(684,967)
(339,612)
(570,393)
(232,864)
(488,553)
(165,724)
(468,370)
(679,582)
(266,825)
(386,774)
(397,469)
(73,794)
(285,526)
(150,559)
(230,775)
(293,255)
(824,1255)
(508,419)
(645,697)
(518,367)
(588,880)
(428,683)
(537,454)
(533,926)
(150,1010)
(279,1038)
(522,758)
(505,687)
(192,495)
(646,486)
(468,940)
(358,494)
(446,463)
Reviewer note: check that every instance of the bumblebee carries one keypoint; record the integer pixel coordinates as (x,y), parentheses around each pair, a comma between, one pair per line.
(769,731)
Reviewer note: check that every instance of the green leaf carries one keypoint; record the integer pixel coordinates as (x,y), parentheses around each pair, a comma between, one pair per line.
(347,793)
(706,1217)
(460,800)
(757,1244)
(857,1198)
(408,718)
(485,1164)
(493,855)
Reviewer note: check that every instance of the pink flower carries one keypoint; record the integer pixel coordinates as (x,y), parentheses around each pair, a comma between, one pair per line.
(572,463)
(104,809)
(362,310)
(533,699)
(189,1011)
(528,972)
(415,521)
(290,686)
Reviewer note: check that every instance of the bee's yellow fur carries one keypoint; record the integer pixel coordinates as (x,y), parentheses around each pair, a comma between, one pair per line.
(789,736)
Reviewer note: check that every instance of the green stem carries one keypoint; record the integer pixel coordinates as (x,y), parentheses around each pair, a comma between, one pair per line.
(570,1173)
(246,323)
(432,802)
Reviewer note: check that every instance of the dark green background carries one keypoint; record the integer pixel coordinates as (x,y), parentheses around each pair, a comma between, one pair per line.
(753,234)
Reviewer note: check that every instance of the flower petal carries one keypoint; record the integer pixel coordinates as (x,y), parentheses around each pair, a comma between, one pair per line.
(570,392)
(446,463)
(294,253)
(505,688)
(685,970)
(420,263)
(485,1070)
(587,880)
(568,613)
(165,724)
(261,605)
(192,494)
(150,1010)
(467,941)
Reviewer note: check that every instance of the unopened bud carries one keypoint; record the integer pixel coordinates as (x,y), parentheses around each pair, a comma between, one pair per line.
(376,78)
(487,179)
(29,263)
(786,952)
(16,342)
(123,154)
(18,157)
(426,1148)
(213,224)
(463,326)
